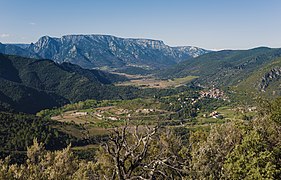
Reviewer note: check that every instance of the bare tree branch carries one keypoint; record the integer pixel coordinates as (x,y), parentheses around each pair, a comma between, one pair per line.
(131,150)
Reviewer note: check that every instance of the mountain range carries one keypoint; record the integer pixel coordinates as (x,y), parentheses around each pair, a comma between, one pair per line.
(104,51)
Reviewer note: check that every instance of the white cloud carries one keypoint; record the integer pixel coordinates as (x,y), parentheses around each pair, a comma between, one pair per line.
(4,35)
(32,23)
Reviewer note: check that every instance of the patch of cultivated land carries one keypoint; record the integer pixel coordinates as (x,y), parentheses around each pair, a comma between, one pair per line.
(97,121)
(186,109)
(152,82)
(111,115)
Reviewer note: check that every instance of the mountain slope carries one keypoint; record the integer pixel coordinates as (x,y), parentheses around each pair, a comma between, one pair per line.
(223,68)
(29,85)
(17,49)
(95,51)
(265,81)
(101,76)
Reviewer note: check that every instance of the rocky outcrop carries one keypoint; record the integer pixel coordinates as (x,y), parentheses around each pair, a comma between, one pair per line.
(273,74)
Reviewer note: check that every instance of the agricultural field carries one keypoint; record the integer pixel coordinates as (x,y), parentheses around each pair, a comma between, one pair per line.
(152,82)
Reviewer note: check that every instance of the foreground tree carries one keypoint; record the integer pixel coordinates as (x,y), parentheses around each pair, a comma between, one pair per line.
(142,153)
(208,153)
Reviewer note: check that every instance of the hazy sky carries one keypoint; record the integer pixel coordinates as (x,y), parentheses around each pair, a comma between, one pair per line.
(211,24)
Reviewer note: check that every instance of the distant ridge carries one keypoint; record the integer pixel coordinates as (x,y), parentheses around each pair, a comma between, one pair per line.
(96,51)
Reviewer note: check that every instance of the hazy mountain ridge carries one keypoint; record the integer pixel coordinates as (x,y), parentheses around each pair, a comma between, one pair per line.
(91,51)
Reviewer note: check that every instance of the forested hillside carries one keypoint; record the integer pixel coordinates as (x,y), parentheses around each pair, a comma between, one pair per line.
(223,68)
(29,85)
(265,81)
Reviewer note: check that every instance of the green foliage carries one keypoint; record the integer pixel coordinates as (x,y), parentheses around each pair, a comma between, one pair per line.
(42,164)
(208,156)
(272,109)
(275,114)
(251,159)
(210,104)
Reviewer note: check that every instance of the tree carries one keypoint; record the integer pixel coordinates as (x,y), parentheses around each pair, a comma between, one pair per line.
(208,153)
(142,153)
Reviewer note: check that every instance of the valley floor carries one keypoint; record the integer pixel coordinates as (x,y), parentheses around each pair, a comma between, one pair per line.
(150,81)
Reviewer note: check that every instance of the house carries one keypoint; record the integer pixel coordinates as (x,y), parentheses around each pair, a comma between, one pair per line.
(252,109)
(112,118)
(79,114)
(216,115)
(99,115)
(145,111)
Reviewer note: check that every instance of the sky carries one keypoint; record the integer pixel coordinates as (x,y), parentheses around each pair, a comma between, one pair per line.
(209,24)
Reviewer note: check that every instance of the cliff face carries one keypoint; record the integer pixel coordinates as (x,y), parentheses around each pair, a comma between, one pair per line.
(273,74)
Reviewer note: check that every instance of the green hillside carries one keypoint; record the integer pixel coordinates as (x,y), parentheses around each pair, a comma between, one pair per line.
(29,85)
(223,68)
(264,82)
